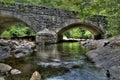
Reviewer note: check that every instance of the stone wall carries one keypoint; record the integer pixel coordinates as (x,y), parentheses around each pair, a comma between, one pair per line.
(99,21)
(40,18)
(17,7)
(46,37)
(37,17)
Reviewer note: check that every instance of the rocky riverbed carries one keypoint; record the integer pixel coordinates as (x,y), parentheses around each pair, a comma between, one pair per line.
(14,49)
(104,54)
(108,57)
(17,49)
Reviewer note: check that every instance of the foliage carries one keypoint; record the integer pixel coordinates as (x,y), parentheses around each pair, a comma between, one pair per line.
(86,8)
(18,31)
(78,33)
(109,8)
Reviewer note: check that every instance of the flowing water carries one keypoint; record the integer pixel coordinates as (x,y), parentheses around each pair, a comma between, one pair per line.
(63,61)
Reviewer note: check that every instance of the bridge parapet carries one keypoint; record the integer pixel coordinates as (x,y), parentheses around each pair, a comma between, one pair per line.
(40,10)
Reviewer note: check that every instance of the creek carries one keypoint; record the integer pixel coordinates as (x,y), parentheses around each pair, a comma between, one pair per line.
(62,61)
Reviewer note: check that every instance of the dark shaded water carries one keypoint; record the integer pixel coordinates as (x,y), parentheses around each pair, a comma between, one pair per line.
(63,61)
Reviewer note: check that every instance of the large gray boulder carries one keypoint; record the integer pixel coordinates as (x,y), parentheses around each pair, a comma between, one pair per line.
(93,44)
(108,57)
(105,57)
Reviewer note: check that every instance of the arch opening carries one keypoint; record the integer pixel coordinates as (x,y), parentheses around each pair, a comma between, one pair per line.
(19,31)
(77,33)
(13,28)
(85,28)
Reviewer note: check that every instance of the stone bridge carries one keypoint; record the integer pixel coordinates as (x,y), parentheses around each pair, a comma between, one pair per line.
(48,23)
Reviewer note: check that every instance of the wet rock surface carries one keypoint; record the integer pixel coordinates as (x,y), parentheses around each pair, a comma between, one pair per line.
(108,57)
(115,73)
(6,69)
(93,44)
(36,76)
(67,65)
(77,74)
(17,49)
(15,71)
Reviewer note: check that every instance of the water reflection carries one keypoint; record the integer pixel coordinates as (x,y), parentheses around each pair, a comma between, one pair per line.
(51,60)
(60,51)
(48,52)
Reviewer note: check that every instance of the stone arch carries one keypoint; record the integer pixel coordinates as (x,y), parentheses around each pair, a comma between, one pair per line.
(8,19)
(98,33)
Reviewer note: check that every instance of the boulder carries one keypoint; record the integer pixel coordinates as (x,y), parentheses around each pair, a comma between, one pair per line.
(108,57)
(93,44)
(105,57)
(4,68)
(3,42)
(115,42)
(15,71)
(7,69)
(36,76)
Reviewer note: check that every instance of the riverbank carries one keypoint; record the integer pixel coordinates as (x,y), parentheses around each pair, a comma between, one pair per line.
(14,48)
(108,58)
